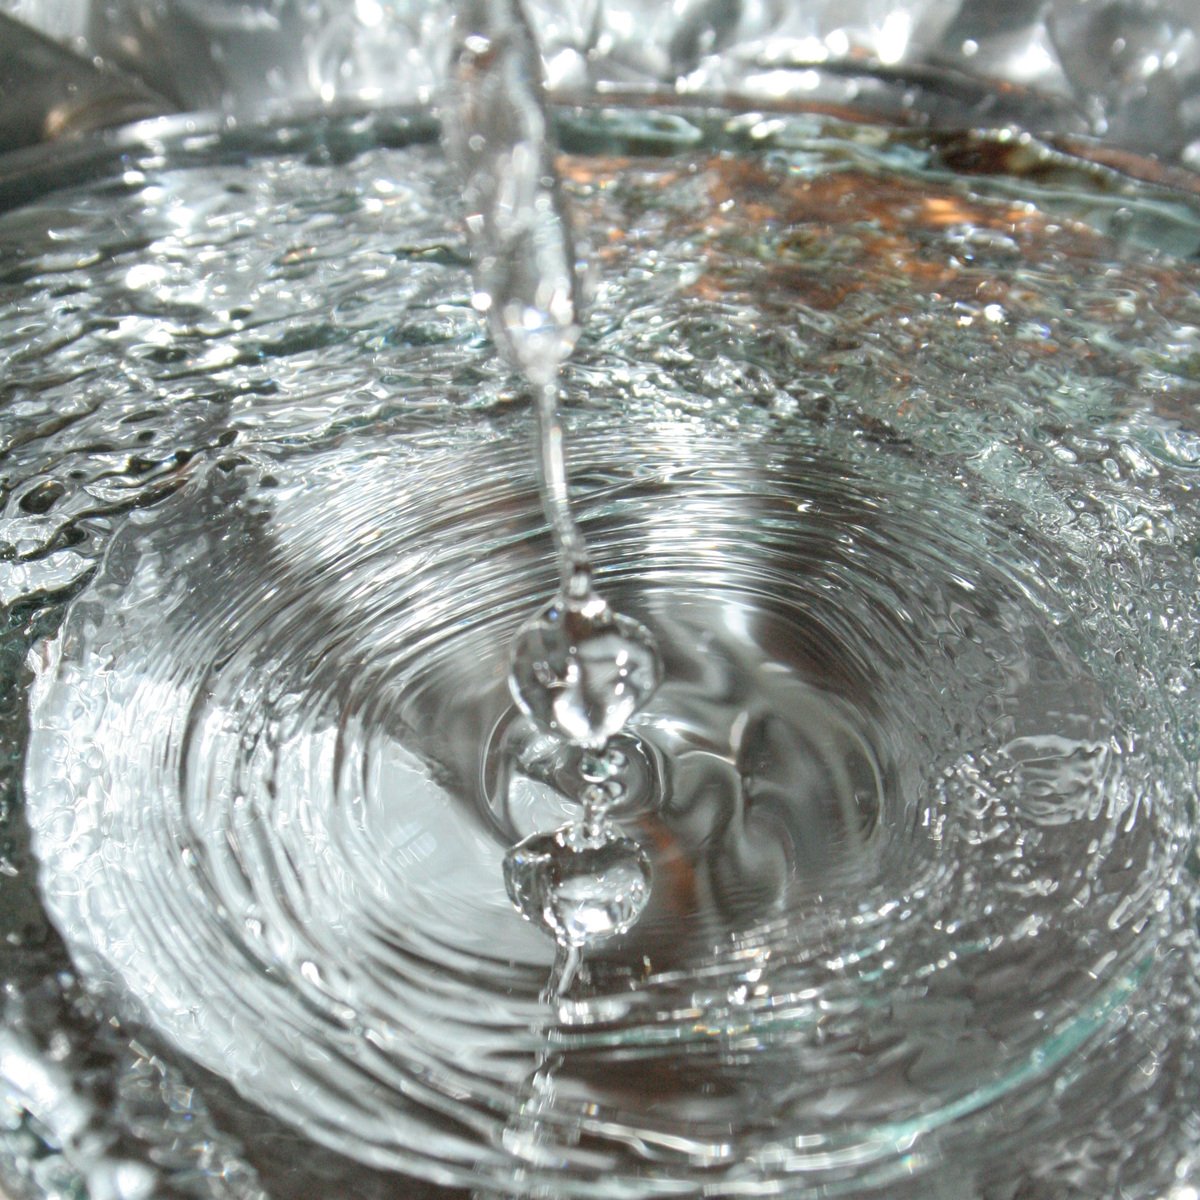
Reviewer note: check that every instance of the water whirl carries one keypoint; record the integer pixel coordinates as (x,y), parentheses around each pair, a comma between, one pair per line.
(890,891)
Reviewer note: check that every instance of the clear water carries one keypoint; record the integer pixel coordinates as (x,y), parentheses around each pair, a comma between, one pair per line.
(580,671)
(896,462)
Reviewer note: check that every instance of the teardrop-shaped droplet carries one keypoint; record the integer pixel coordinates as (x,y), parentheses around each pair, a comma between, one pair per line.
(580,887)
(582,670)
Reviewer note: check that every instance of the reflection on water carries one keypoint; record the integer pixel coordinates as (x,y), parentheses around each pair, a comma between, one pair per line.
(897,465)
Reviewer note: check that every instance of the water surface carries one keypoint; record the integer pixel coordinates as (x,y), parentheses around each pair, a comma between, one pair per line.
(892,444)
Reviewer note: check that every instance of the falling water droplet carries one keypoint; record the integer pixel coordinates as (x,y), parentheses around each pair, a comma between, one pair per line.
(579,669)
(581,885)
(582,670)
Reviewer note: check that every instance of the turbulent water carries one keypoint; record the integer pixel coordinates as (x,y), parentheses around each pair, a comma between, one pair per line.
(897,462)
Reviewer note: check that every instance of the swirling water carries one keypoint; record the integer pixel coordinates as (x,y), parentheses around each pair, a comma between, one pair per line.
(897,464)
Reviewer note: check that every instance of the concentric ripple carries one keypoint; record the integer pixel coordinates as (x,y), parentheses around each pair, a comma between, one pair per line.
(914,793)
(284,853)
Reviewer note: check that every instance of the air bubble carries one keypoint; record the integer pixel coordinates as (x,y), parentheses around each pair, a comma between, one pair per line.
(600,767)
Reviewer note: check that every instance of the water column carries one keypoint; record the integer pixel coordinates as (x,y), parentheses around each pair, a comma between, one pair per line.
(579,669)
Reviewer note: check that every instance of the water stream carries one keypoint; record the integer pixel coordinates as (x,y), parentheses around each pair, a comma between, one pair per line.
(888,440)
(580,671)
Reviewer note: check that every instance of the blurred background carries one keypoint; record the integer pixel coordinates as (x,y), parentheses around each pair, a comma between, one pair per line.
(1125,72)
